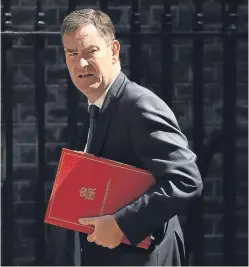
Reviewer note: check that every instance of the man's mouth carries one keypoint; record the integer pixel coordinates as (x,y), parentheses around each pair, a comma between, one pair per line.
(84,75)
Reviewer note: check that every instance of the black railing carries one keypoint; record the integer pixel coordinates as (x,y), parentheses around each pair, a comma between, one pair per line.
(7,101)
(71,100)
(135,42)
(40,98)
(230,36)
(229,134)
(167,53)
(198,118)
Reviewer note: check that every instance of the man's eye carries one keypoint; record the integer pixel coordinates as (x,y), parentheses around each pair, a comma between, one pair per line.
(72,54)
(91,51)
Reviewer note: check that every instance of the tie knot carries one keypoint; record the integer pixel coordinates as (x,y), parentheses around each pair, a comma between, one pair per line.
(94,111)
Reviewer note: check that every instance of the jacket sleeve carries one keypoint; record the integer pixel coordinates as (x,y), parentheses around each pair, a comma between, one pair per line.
(163,150)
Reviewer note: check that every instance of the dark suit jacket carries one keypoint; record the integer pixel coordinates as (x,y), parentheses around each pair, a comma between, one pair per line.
(136,127)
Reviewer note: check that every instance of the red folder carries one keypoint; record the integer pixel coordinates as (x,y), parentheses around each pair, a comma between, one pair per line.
(87,186)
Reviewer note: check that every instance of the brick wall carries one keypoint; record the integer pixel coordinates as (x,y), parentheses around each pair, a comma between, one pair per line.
(56,130)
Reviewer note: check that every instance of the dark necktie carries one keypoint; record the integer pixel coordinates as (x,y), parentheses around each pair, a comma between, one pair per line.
(94,112)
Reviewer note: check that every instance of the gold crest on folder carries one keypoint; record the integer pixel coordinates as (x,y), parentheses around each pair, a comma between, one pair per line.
(88,193)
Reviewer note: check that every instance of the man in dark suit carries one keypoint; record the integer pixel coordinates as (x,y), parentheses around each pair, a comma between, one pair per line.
(129,124)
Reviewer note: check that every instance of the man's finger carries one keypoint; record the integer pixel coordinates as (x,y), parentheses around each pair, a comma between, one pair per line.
(98,243)
(91,238)
(87,221)
(111,247)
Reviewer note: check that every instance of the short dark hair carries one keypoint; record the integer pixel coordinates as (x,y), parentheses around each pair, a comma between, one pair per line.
(80,18)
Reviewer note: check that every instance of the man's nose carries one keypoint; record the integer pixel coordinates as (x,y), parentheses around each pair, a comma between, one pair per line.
(82,62)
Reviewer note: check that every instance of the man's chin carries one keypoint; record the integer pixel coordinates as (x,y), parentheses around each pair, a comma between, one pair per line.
(88,89)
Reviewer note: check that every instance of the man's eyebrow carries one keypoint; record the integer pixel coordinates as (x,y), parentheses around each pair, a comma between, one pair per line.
(70,50)
(90,46)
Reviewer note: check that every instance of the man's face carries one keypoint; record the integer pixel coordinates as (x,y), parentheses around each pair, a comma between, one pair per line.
(90,60)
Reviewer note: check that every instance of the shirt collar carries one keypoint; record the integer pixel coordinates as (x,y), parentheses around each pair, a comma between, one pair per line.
(100,101)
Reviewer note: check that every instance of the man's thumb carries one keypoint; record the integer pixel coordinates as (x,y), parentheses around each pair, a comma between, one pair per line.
(87,221)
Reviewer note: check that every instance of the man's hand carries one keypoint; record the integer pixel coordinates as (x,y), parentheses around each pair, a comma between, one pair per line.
(107,232)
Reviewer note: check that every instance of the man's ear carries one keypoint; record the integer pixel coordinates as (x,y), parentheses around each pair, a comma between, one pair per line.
(115,51)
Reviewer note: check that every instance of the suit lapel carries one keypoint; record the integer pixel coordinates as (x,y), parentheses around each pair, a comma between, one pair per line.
(107,112)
